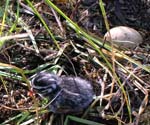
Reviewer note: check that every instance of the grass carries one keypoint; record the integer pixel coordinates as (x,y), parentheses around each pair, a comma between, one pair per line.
(93,55)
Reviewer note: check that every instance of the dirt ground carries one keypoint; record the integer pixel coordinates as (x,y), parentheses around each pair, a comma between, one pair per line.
(87,14)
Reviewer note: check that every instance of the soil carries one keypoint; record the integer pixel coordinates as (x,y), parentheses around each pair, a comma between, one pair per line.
(87,14)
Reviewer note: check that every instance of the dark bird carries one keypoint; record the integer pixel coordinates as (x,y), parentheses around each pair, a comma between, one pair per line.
(67,94)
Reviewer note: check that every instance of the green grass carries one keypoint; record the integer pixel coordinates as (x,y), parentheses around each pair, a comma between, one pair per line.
(100,59)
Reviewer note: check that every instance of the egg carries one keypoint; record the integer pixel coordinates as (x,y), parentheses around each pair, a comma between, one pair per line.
(124,37)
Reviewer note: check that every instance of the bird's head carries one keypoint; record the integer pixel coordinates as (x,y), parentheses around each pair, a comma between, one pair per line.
(45,83)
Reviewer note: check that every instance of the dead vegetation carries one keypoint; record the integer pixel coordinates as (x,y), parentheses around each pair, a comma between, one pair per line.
(66,38)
